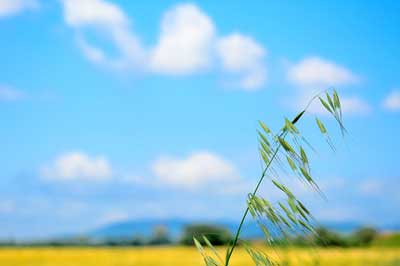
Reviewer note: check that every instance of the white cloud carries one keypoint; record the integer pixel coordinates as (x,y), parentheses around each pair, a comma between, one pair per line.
(185,42)
(74,166)
(355,105)
(197,169)
(392,101)
(12,7)
(244,56)
(7,206)
(70,209)
(315,71)
(114,216)
(133,179)
(313,75)
(240,188)
(332,184)
(371,188)
(188,43)
(101,16)
(10,94)
(94,54)
(93,12)
(336,214)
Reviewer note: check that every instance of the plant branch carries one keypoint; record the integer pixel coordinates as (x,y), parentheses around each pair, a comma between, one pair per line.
(238,231)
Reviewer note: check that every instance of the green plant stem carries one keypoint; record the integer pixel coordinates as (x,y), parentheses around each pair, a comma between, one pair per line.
(232,247)
(238,231)
(247,211)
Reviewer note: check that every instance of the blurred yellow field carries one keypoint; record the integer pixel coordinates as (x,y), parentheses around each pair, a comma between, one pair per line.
(172,256)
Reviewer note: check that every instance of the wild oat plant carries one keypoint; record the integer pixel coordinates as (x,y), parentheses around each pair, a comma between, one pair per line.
(283,151)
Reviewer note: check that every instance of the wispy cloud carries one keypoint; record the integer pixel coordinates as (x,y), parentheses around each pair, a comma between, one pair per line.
(371,187)
(108,18)
(10,94)
(355,105)
(7,206)
(392,101)
(113,216)
(337,214)
(13,7)
(351,105)
(187,43)
(77,166)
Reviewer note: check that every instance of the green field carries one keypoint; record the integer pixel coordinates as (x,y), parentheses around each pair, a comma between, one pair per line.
(172,256)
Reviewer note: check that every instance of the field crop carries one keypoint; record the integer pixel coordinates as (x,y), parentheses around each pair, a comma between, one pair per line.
(187,256)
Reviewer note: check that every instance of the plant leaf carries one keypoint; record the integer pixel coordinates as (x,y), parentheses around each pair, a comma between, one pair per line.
(264,127)
(285,145)
(264,156)
(263,138)
(199,246)
(212,247)
(321,126)
(336,100)
(294,121)
(291,128)
(325,105)
(306,174)
(330,101)
(291,164)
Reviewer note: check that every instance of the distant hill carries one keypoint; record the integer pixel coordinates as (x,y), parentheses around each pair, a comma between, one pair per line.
(145,227)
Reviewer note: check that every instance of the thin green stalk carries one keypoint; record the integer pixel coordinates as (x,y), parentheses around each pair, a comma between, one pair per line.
(238,231)
(232,247)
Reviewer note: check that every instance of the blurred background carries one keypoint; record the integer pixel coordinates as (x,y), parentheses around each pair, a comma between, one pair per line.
(127,123)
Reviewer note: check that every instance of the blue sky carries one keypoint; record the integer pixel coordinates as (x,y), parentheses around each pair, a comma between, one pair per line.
(114,110)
